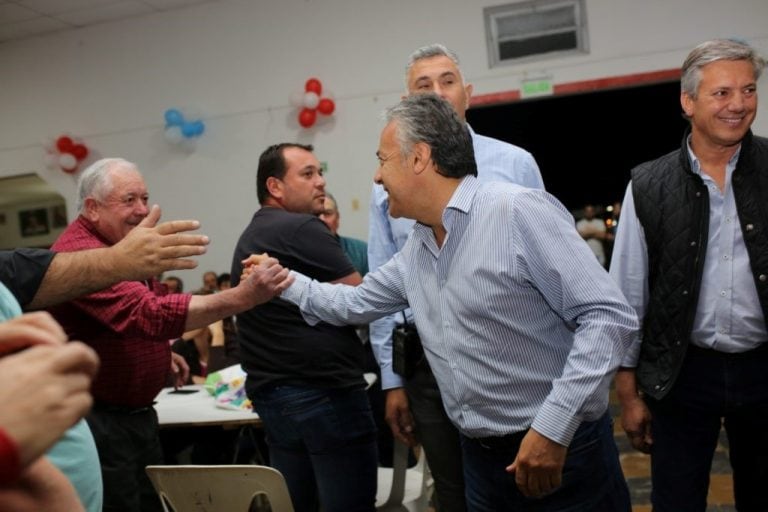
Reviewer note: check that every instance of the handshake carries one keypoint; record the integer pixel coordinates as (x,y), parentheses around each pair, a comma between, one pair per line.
(265,276)
(254,260)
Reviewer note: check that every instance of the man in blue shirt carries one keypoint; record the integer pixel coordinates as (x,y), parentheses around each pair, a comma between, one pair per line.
(435,69)
(356,250)
(691,256)
(521,325)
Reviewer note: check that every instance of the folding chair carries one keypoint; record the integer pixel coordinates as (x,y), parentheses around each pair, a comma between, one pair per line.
(403,489)
(218,488)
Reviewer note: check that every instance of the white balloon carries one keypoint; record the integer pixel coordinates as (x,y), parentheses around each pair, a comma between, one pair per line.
(311,100)
(173,134)
(297,99)
(67,161)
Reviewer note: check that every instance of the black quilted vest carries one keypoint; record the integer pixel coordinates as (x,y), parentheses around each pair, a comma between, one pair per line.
(672,205)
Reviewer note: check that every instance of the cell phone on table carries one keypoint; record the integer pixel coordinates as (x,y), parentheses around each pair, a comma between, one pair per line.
(182,391)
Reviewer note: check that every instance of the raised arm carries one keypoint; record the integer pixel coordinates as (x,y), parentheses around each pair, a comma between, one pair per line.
(148,250)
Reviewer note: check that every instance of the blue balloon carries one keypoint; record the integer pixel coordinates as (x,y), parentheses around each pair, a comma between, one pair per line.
(199,127)
(188,130)
(173,117)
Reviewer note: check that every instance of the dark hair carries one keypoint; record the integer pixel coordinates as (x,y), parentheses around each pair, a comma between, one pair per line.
(430,119)
(272,164)
(222,278)
(179,283)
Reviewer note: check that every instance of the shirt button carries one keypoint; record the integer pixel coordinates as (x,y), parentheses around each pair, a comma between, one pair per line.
(685,292)
(725,256)
(464,407)
(693,244)
(723,293)
(750,227)
(698,194)
(762,277)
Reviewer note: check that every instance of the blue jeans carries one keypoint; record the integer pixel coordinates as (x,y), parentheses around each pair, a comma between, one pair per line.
(323,441)
(592,477)
(712,389)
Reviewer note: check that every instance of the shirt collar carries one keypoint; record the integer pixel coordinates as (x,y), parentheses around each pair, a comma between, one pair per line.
(460,203)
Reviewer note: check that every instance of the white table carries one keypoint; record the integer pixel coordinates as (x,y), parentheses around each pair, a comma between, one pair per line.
(198,409)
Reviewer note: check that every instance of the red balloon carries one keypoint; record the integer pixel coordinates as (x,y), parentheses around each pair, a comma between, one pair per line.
(80,152)
(313,85)
(64,144)
(326,106)
(307,117)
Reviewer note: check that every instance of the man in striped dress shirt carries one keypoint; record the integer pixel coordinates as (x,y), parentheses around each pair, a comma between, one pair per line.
(415,411)
(521,325)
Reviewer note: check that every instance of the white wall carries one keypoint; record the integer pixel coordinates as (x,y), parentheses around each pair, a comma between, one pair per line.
(236,63)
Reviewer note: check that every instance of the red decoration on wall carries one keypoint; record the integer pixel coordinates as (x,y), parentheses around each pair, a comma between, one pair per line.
(66,153)
(311,103)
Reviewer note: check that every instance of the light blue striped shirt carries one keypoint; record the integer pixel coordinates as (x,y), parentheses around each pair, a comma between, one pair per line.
(520,323)
(728,315)
(496,161)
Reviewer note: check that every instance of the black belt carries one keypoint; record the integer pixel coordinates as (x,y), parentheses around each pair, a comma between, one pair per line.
(506,442)
(119,409)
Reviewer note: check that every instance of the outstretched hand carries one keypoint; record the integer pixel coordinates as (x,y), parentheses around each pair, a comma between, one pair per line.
(150,248)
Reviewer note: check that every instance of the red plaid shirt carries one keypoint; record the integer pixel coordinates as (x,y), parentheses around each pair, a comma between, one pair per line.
(128,325)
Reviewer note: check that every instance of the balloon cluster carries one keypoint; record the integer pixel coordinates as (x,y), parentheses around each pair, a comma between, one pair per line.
(66,153)
(179,129)
(311,102)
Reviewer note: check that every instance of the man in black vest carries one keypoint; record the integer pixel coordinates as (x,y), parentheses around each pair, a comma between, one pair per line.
(691,256)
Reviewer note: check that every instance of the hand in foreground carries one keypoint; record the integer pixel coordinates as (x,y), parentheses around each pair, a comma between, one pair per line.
(179,370)
(44,390)
(538,467)
(150,249)
(398,416)
(41,486)
(30,329)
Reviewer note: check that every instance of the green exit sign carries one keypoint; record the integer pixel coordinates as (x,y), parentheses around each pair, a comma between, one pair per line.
(536,87)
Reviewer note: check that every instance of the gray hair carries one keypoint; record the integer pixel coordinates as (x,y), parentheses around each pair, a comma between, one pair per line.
(430,119)
(96,180)
(711,51)
(427,52)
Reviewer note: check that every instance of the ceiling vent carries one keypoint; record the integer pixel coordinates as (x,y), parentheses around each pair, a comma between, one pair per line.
(535,30)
